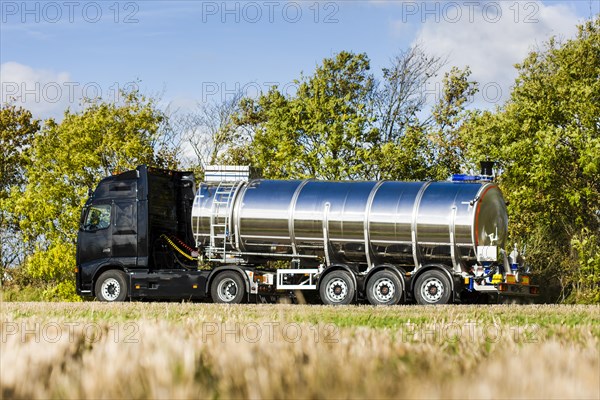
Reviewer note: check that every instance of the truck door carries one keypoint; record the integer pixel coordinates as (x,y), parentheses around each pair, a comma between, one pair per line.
(124,235)
(95,236)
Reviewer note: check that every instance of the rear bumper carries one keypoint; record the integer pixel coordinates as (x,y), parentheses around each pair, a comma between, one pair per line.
(509,289)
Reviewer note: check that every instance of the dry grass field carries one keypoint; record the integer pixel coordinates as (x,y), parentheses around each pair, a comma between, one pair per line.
(181,351)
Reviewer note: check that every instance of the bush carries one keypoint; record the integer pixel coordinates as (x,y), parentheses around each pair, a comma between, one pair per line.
(586,278)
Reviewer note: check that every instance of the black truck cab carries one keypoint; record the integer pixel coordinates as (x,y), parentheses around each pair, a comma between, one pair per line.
(124,234)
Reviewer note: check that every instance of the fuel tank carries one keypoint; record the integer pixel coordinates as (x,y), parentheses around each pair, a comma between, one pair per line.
(402,223)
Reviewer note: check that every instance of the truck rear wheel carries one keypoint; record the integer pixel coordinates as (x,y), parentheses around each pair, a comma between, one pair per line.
(227,288)
(337,288)
(432,287)
(111,286)
(384,288)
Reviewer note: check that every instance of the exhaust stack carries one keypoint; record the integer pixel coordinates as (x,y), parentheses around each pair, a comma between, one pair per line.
(487,168)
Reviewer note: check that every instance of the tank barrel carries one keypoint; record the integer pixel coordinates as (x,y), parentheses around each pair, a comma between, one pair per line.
(366,223)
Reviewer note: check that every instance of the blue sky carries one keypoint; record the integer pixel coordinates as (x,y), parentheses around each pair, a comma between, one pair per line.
(193,51)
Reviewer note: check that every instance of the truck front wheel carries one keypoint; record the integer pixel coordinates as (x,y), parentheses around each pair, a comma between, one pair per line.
(228,288)
(111,286)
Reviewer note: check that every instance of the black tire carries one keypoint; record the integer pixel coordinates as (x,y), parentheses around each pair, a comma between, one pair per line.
(227,288)
(433,287)
(384,288)
(111,286)
(337,288)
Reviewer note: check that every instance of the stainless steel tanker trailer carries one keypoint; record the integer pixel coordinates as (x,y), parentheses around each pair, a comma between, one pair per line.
(238,239)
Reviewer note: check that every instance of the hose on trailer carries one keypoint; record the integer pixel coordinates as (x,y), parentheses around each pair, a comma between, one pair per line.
(176,248)
(478,279)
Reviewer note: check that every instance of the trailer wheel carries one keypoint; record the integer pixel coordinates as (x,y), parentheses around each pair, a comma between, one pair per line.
(111,286)
(228,288)
(432,287)
(384,288)
(337,288)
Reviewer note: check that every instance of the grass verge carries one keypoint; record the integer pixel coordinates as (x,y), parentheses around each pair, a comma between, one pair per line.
(183,350)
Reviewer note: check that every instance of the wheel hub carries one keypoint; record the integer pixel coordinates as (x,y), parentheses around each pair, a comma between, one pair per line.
(227,290)
(432,290)
(384,290)
(110,289)
(337,290)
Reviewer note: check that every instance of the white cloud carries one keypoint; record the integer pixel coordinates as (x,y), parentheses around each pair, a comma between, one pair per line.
(490,37)
(48,94)
(45,93)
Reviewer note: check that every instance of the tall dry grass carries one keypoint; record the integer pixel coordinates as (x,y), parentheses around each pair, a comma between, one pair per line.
(180,351)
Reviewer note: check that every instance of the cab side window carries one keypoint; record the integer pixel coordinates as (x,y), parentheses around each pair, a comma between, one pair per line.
(124,218)
(98,217)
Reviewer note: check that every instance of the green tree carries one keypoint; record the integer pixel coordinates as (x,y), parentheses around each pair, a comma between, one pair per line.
(17,130)
(341,124)
(546,138)
(403,150)
(446,148)
(323,131)
(430,147)
(68,159)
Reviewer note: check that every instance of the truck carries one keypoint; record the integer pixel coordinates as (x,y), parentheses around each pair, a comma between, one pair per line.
(149,233)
